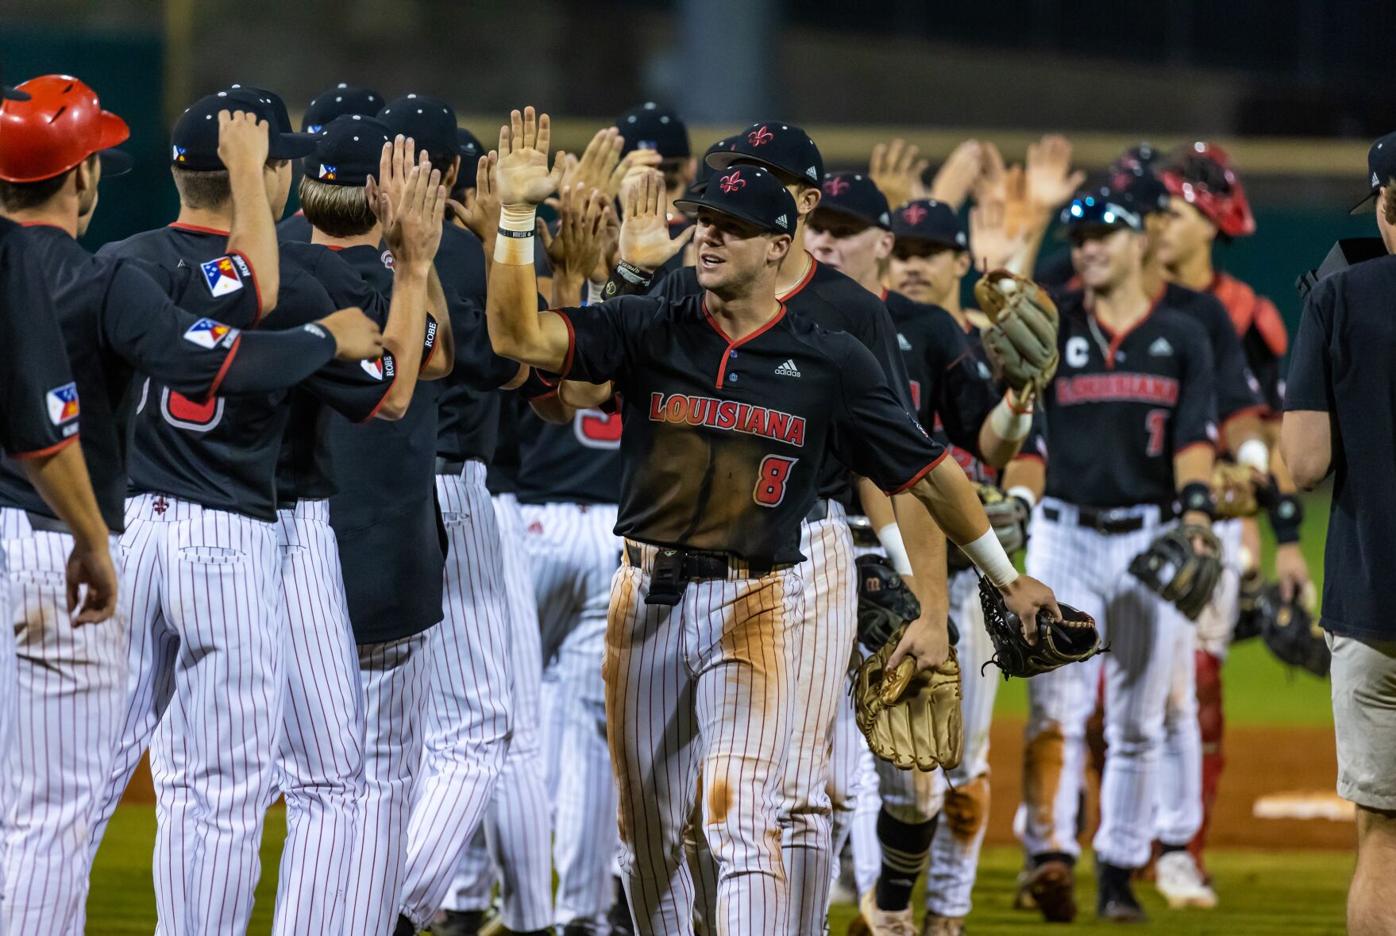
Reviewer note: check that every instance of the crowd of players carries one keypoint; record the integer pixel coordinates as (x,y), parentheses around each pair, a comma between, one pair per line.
(355,508)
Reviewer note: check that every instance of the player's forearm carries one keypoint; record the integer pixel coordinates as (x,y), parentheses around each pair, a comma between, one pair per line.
(1192,475)
(516,328)
(1025,478)
(403,337)
(952,502)
(925,549)
(62,481)
(1002,433)
(252,232)
(1306,447)
(552,409)
(443,358)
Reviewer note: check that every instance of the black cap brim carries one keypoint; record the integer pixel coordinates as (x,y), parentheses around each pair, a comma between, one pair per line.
(1066,230)
(115,162)
(849,213)
(687,205)
(12,94)
(1365,205)
(948,242)
(291,145)
(726,158)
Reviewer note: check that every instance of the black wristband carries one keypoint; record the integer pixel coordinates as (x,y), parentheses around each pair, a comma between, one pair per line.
(1285,519)
(627,280)
(505,232)
(1196,495)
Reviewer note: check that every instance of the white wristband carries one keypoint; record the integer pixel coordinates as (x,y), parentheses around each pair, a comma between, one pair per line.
(514,242)
(988,556)
(1254,454)
(891,538)
(1025,493)
(1008,424)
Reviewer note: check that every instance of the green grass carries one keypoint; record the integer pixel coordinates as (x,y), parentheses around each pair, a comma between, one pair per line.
(1261,892)
(1260,690)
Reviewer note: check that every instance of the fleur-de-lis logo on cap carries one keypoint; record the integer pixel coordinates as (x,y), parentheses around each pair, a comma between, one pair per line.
(730,183)
(914,214)
(836,186)
(760,136)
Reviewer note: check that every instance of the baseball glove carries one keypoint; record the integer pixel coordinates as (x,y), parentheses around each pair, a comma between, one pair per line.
(1179,572)
(1292,634)
(1070,640)
(1252,610)
(1009,518)
(911,720)
(1234,490)
(1023,338)
(885,603)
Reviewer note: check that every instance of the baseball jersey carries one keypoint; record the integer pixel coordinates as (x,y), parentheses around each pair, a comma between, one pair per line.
(1238,390)
(1341,366)
(391,544)
(502,475)
(578,462)
(1122,406)
(39,401)
(723,440)
(221,453)
(1262,332)
(294,229)
(831,300)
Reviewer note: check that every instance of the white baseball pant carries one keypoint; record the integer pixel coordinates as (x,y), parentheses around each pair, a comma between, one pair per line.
(468,708)
(1089,569)
(702,688)
(68,690)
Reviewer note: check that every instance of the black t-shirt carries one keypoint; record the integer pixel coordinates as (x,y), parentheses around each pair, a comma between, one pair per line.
(38,399)
(221,453)
(1122,406)
(834,302)
(1342,365)
(384,514)
(723,440)
(578,462)
(1238,390)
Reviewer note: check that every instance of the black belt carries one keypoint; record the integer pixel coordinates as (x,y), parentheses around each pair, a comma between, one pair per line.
(42,524)
(449,466)
(672,569)
(1107,520)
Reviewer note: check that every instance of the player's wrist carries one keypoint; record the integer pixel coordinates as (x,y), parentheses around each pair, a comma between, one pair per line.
(989,557)
(515,236)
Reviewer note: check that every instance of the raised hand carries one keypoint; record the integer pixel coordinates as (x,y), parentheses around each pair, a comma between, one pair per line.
(993,244)
(580,241)
(644,229)
(957,176)
(634,163)
(242,141)
(600,158)
(1050,181)
(896,168)
(417,232)
(480,211)
(522,173)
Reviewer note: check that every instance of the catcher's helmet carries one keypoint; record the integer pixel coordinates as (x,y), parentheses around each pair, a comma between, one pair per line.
(61,124)
(1201,174)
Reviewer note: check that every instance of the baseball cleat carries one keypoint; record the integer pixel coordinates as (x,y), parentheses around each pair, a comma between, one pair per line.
(458,923)
(1178,879)
(1052,887)
(874,921)
(1022,897)
(942,926)
(1115,902)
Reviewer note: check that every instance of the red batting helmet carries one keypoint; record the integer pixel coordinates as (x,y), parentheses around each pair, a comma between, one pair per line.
(60,125)
(1201,174)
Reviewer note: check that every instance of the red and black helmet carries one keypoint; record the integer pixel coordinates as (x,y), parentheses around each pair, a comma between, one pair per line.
(61,124)
(1200,173)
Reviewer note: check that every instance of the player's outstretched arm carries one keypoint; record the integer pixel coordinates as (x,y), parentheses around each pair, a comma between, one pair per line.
(517,329)
(62,481)
(443,360)
(242,147)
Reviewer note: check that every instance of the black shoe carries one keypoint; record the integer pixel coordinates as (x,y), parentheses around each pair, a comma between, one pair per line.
(578,928)
(1115,902)
(459,922)
(619,917)
(405,927)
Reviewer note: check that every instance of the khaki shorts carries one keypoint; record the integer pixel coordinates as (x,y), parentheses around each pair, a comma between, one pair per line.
(1364,720)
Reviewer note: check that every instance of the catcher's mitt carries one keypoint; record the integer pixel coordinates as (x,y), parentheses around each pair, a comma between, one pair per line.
(1292,634)
(1070,640)
(1023,338)
(1177,571)
(1009,518)
(885,603)
(1234,490)
(1252,610)
(910,720)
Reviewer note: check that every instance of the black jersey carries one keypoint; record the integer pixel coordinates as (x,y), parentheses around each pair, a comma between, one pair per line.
(577,462)
(723,440)
(39,405)
(1261,329)
(1122,406)
(294,229)
(384,514)
(1238,390)
(1341,365)
(834,302)
(502,476)
(222,452)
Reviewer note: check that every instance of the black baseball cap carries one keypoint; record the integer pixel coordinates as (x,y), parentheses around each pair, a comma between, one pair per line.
(282,121)
(429,121)
(1104,207)
(1381,169)
(194,140)
(347,151)
(854,195)
(342,99)
(931,221)
(471,149)
(783,147)
(652,127)
(750,194)
(705,171)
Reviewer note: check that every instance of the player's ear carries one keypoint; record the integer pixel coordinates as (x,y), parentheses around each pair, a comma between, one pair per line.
(449,177)
(807,199)
(963,262)
(778,248)
(884,246)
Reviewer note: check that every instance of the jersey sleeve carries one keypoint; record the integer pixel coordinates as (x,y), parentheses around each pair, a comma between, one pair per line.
(879,335)
(38,400)
(873,433)
(355,389)
(476,365)
(601,337)
(1195,420)
(965,392)
(1310,382)
(1238,392)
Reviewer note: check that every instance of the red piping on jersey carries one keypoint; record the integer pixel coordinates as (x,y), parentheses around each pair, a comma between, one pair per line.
(1029,456)
(47,224)
(732,345)
(40,453)
(920,474)
(256,286)
(804,281)
(1117,340)
(223,371)
(883,295)
(196,229)
(571,346)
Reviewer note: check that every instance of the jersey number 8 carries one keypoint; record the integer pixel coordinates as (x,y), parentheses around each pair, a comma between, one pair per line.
(771,478)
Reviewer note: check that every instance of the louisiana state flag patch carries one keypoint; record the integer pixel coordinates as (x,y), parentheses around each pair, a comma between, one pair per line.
(206,333)
(63,404)
(225,275)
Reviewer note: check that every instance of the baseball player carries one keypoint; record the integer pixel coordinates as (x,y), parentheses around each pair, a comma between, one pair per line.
(203,476)
(1209,204)
(653,127)
(334,102)
(826,297)
(1144,369)
(707,594)
(954,391)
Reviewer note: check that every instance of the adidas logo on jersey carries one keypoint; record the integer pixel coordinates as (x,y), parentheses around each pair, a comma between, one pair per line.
(902,342)
(788,369)
(1160,348)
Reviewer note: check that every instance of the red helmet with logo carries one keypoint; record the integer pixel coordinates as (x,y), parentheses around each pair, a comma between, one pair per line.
(1200,173)
(60,125)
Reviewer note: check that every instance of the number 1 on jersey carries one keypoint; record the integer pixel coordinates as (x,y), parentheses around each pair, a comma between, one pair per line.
(771,478)
(1156,422)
